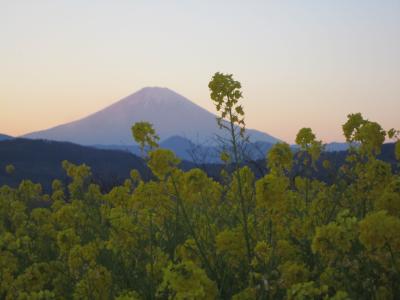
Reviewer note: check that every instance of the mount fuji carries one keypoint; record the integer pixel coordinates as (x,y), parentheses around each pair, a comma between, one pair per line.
(170,113)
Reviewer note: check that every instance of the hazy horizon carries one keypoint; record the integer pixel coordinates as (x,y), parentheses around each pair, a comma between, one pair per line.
(301,63)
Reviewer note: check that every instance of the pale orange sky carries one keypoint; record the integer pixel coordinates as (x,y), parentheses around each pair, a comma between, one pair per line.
(301,63)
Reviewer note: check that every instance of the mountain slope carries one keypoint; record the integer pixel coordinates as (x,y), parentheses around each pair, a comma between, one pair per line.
(5,137)
(40,161)
(170,113)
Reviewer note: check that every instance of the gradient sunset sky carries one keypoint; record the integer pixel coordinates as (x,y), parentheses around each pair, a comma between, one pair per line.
(301,63)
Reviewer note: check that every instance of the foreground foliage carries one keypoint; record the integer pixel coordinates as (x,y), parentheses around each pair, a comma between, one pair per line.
(183,235)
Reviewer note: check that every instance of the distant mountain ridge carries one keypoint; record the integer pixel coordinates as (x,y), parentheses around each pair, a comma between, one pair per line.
(5,137)
(200,153)
(40,161)
(203,153)
(170,113)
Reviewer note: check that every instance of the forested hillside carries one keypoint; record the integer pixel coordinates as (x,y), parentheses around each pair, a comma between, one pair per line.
(40,162)
(184,235)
